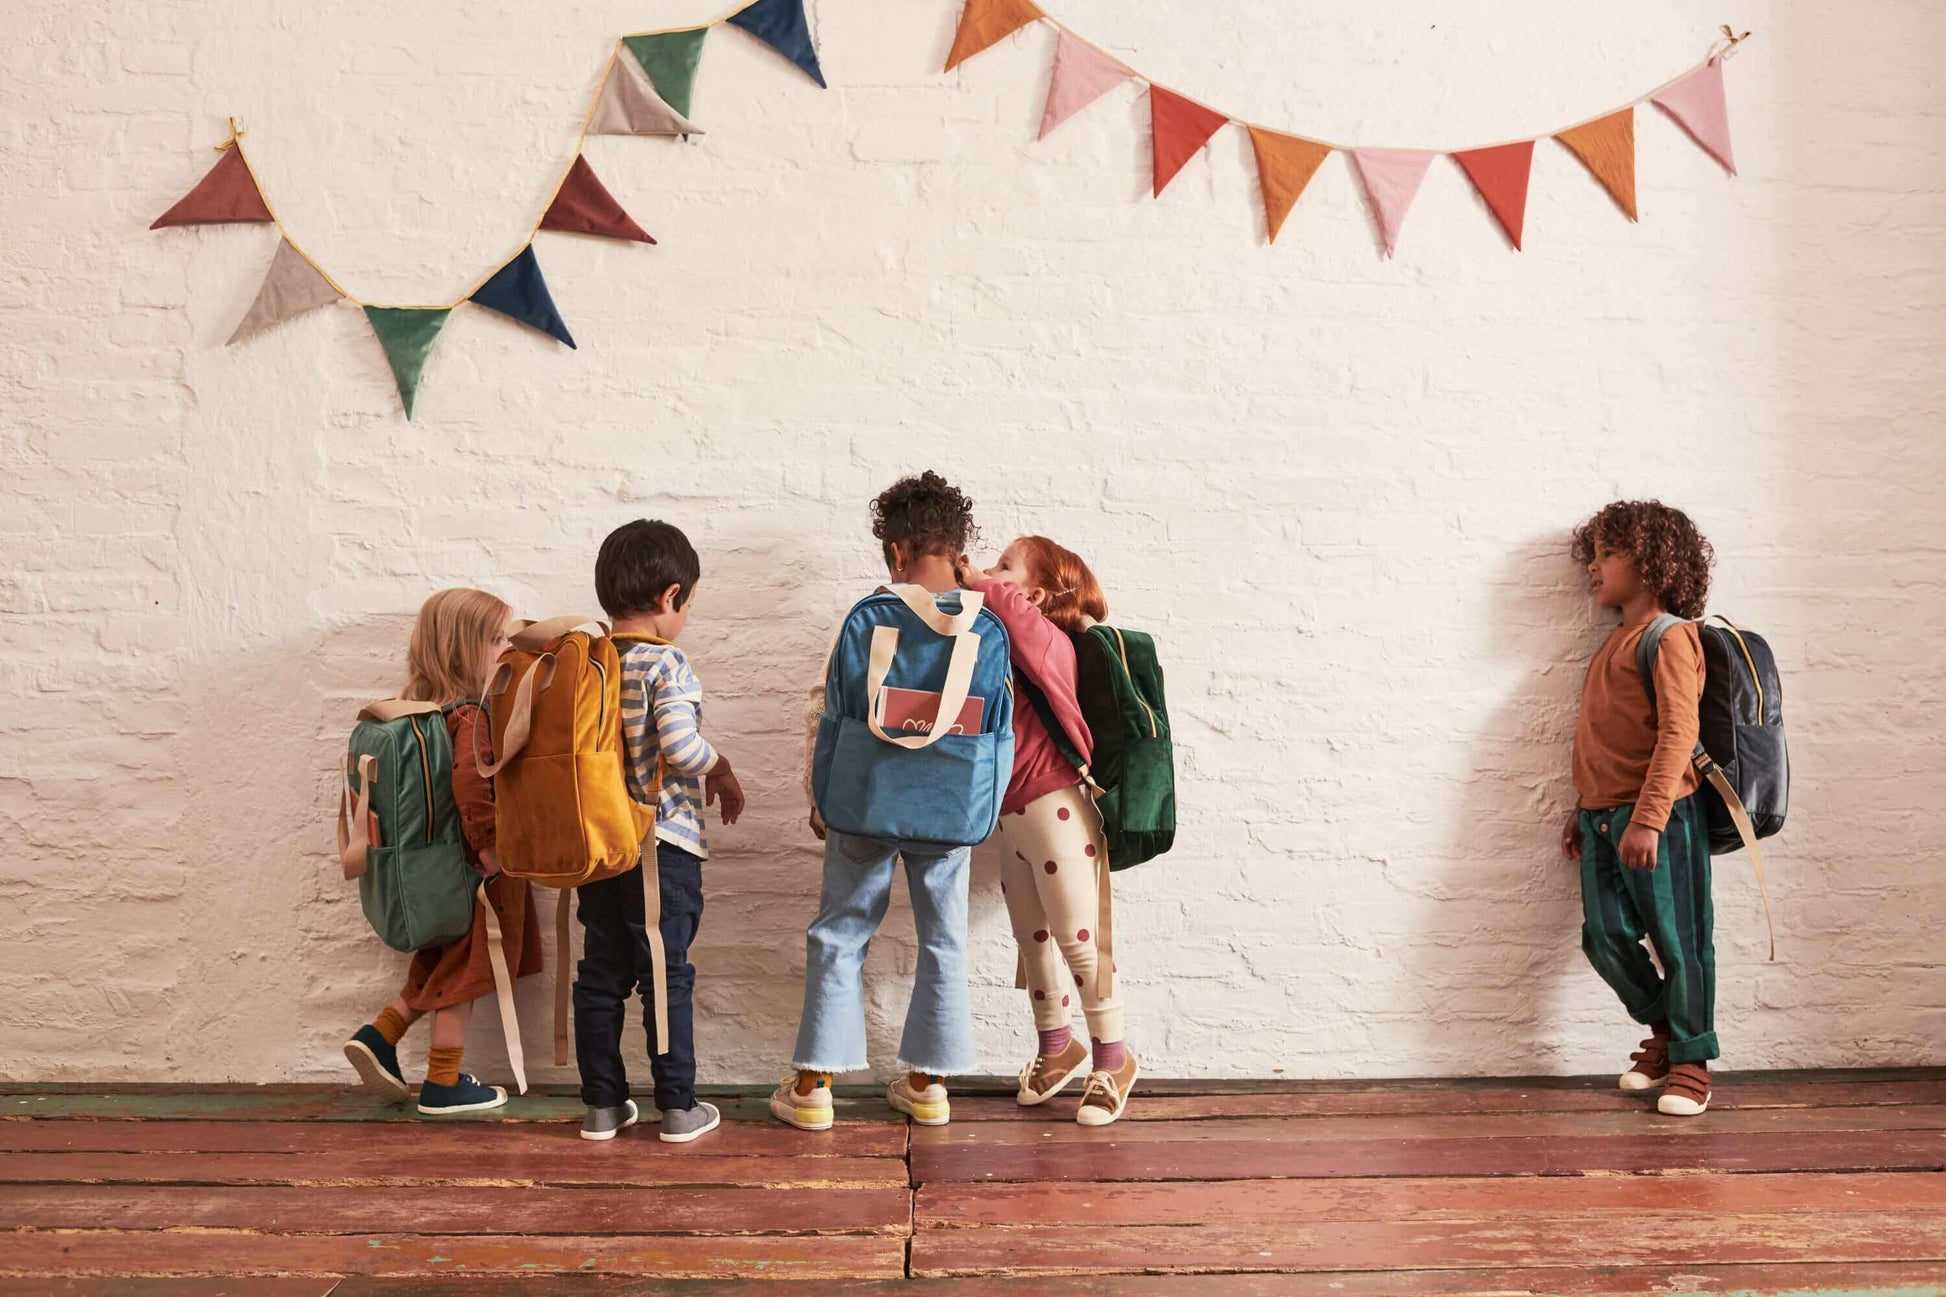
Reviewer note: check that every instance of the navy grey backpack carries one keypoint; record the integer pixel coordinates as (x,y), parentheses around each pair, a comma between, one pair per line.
(1740,749)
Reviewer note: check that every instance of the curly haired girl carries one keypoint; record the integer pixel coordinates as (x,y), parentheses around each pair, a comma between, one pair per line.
(1638,830)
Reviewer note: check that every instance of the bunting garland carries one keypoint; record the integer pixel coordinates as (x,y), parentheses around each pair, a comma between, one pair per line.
(1180,127)
(646,89)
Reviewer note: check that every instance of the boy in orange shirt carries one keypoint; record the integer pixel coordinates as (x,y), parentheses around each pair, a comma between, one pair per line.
(1639,830)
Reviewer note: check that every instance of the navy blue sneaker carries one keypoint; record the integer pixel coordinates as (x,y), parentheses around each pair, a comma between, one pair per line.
(377,1063)
(467,1096)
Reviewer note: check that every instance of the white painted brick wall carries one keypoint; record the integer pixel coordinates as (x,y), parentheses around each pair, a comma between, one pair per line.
(1338,489)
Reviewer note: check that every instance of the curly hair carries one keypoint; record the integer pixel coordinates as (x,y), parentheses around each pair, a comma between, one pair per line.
(926,514)
(1672,556)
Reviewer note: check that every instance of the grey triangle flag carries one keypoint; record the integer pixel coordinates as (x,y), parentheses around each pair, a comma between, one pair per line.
(629,105)
(292,287)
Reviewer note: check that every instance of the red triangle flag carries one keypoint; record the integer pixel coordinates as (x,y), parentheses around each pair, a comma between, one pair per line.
(1501,174)
(583,205)
(1180,127)
(227,195)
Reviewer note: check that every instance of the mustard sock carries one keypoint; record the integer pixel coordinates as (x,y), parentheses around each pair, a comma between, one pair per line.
(920,1080)
(809,1081)
(390,1025)
(442,1064)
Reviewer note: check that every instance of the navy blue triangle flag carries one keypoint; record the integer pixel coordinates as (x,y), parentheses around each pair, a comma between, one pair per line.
(518,292)
(780,24)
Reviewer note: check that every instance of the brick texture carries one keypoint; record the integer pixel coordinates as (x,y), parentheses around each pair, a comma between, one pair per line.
(1337,488)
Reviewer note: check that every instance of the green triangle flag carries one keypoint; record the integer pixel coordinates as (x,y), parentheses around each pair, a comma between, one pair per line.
(670,59)
(406,333)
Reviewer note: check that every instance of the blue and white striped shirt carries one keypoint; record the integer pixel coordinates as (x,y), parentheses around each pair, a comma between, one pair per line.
(657,681)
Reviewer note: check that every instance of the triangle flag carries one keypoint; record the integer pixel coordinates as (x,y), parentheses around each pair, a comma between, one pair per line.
(781,25)
(1285,165)
(1179,128)
(1501,174)
(1392,178)
(670,59)
(518,292)
(291,287)
(583,205)
(228,194)
(1698,105)
(1082,74)
(629,105)
(407,333)
(984,23)
(1607,147)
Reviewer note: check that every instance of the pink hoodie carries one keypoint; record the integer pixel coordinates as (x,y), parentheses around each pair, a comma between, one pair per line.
(1044,654)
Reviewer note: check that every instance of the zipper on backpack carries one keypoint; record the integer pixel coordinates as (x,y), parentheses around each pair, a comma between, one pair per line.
(425,764)
(1141,702)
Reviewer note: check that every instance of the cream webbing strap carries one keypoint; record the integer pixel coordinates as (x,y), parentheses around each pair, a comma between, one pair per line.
(355,818)
(392,709)
(503,990)
(1748,832)
(563,981)
(1105,918)
(959,682)
(520,722)
(658,953)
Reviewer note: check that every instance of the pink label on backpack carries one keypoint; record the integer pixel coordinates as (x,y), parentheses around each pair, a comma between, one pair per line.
(915,710)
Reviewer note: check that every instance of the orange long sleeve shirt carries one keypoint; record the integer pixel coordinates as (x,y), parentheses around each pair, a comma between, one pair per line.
(1624,751)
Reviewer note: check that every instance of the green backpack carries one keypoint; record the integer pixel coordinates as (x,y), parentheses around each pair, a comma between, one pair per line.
(398,830)
(1118,683)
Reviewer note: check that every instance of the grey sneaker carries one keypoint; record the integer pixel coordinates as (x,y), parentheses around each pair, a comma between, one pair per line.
(679,1126)
(605,1123)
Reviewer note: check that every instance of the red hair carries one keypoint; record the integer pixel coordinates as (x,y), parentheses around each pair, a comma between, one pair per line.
(1073,593)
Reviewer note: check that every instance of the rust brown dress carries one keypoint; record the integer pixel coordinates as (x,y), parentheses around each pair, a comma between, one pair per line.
(444,976)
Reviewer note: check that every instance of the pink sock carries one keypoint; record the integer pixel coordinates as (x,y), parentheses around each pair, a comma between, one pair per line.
(1053,1042)
(1110,1056)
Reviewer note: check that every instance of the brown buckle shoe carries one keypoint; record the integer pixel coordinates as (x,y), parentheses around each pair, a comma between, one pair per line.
(1650,1065)
(1688,1091)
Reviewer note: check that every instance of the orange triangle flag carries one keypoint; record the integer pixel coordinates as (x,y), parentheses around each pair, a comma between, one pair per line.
(983,23)
(1285,165)
(1501,174)
(1607,147)
(226,195)
(1180,127)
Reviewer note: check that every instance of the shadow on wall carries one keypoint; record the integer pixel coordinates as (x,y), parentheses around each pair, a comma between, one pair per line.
(1495,965)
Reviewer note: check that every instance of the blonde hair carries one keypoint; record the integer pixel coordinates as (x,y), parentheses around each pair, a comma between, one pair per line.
(447,659)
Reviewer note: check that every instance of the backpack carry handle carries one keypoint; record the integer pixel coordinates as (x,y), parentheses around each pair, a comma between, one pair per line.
(922,605)
(520,724)
(396,709)
(959,684)
(538,635)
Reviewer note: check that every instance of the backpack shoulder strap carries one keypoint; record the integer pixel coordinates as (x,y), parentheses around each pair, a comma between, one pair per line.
(1648,646)
(1055,730)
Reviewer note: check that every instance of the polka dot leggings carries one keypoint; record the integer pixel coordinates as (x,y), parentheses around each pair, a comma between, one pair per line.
(1054,872)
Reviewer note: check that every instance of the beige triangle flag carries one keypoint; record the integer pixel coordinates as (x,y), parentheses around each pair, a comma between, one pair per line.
(292,287)
(629,105)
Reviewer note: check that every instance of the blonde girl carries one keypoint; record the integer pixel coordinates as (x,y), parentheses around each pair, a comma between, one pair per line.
(455,642)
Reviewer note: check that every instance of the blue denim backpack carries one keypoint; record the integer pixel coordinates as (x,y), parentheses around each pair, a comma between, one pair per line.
(903,750)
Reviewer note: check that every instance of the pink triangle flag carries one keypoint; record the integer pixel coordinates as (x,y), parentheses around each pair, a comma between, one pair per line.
(1698,105)
(1392,178)
(1082,74)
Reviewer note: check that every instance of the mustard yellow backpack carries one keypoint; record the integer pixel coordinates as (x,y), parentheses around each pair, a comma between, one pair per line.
(563,815)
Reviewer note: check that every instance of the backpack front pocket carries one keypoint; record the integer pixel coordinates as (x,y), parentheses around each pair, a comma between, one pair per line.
(947,792)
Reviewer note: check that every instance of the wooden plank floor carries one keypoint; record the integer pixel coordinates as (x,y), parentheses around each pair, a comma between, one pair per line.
(1801,1183)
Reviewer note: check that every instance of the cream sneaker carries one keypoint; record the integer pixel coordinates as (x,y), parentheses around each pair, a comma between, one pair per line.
(928,1106)
(794,1106)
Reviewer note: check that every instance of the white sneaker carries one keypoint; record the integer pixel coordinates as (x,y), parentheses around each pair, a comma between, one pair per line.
(928,1107)
(805,1111)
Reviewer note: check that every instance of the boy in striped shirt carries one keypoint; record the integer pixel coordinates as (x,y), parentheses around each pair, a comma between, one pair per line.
(646,578)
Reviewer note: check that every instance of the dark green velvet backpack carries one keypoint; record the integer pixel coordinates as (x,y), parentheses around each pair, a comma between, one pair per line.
(398,830)
(1118,683)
